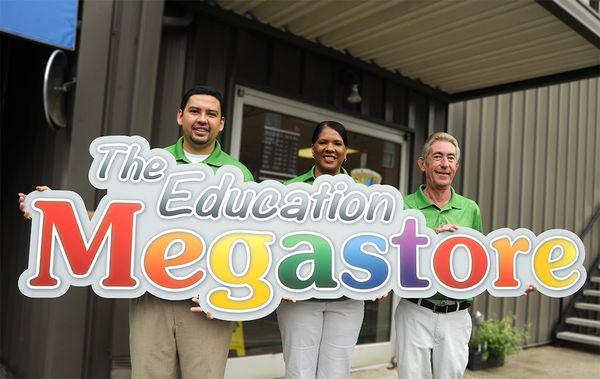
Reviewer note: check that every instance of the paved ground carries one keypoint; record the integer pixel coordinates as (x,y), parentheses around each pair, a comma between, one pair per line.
(534,363)
(4,373)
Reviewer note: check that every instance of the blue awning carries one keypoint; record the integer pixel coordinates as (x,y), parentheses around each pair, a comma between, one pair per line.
(53,22)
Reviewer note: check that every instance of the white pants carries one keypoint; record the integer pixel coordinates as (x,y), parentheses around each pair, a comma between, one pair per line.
(318,337)
(431,345)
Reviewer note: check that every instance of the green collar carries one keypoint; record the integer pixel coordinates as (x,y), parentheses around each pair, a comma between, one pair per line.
(422,201)
(216,158)
(310,175)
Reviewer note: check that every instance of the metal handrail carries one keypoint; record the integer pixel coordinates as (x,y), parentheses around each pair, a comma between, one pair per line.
(590,224)
(582,235)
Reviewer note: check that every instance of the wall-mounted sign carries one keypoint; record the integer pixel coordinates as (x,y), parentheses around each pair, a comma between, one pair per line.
(181,230)
(280,151)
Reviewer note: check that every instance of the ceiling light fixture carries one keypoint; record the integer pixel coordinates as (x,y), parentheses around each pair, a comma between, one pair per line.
(354,97)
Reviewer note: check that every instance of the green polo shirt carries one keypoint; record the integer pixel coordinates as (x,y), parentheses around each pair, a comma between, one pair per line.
(459,210)
(216,159)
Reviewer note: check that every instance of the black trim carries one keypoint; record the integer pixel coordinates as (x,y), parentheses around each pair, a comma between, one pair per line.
(584,73)
(571,21)
(285,36)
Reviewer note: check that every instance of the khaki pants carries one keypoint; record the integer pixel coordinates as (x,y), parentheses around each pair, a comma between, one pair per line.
(164,333)
(431,345)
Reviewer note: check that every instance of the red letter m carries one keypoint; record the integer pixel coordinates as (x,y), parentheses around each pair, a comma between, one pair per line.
(59,222)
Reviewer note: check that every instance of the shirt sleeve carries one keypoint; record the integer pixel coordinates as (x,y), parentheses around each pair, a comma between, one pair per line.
(248,177)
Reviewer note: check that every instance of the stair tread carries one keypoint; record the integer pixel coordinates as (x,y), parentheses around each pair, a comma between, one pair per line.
(588,306)
(595,279)
(583,322)
(579,337)
(591,292)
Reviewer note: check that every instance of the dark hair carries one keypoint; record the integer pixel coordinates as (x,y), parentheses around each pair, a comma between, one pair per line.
(337,126)
(202,90)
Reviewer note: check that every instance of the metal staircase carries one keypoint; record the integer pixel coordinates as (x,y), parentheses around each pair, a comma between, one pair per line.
(579,323)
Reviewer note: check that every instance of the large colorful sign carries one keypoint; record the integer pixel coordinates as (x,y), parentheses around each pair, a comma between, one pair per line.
(178,231)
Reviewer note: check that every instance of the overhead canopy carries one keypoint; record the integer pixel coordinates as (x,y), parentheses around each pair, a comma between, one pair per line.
(52,22)
(456,46)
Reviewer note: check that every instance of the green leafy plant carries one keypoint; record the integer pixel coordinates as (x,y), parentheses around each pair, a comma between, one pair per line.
(499,338)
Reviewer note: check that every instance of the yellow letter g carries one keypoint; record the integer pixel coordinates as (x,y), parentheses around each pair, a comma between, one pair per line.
(257,265)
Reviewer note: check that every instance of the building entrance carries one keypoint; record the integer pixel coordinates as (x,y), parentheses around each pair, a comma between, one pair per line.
(272,137)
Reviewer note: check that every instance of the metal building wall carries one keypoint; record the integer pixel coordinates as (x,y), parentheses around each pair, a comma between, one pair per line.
(115,66)
(530,159)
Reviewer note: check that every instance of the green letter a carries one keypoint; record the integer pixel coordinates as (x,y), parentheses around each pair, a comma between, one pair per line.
(320,255)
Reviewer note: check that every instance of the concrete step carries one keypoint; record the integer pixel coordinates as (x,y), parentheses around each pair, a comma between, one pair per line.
(595,279)
(583,322)
(588,306)
(591,293)
(579,337)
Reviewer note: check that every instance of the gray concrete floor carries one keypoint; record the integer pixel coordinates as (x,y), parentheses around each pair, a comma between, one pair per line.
(533,363)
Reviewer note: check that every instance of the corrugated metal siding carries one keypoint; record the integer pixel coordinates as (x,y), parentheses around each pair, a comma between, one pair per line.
(530,159)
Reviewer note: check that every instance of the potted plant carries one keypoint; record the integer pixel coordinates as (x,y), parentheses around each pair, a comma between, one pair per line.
(493,341)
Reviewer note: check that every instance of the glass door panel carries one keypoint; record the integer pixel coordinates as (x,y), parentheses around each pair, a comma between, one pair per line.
(277,146)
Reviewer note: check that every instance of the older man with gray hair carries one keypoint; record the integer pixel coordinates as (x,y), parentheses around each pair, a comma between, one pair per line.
(433,334)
